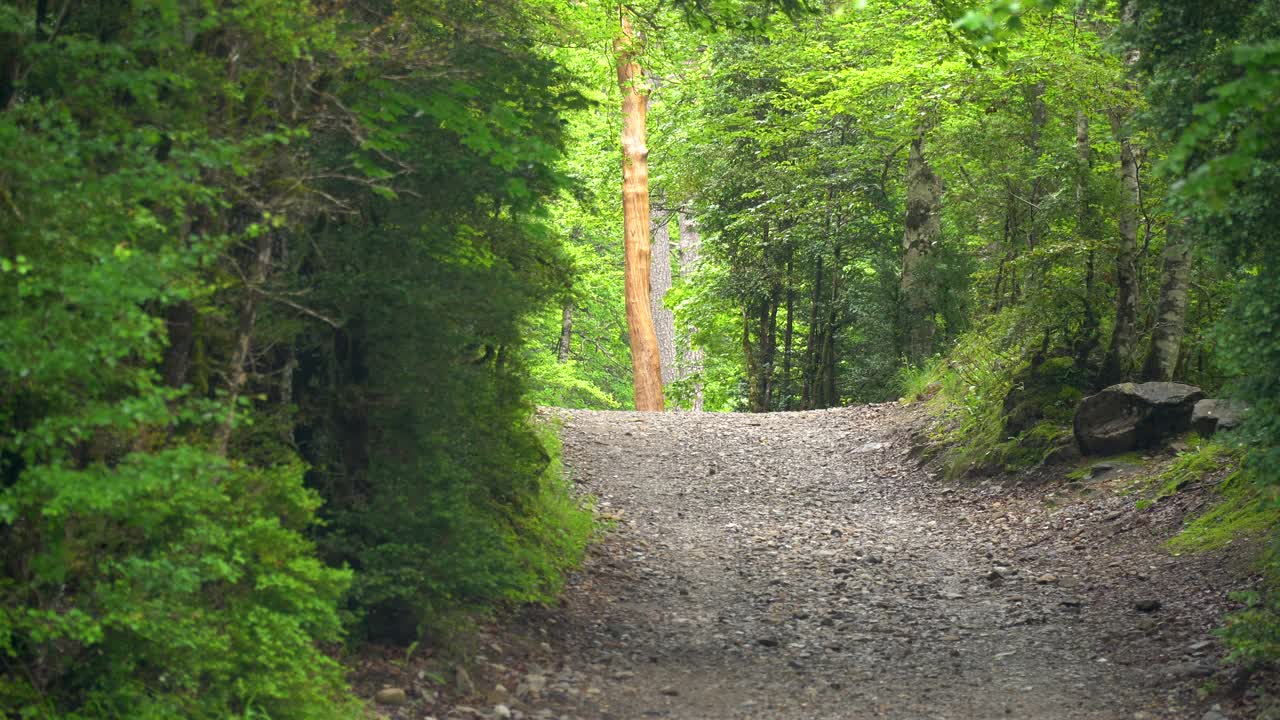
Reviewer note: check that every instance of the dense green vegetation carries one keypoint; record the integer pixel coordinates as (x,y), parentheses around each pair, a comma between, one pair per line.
(265,264)
(284,280)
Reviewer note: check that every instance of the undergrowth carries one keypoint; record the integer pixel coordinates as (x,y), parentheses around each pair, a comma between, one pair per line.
(966,392)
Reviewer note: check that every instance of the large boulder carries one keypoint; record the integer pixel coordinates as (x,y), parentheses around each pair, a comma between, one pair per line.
(1210,416)
(1130,416)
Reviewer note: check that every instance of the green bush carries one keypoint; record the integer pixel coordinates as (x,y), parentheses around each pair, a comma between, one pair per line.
(145,573)
(170,585)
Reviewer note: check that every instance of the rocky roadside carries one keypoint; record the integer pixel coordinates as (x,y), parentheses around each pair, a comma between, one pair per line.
(803,565)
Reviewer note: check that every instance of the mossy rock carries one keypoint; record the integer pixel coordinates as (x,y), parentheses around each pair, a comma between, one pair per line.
(1046,390)
(1035,445)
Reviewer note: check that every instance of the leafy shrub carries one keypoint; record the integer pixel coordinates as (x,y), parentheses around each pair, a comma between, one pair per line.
(171,585)
(145,574)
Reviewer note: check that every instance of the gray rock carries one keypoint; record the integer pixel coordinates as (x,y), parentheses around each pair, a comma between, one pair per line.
(1210,416)
(1130,416)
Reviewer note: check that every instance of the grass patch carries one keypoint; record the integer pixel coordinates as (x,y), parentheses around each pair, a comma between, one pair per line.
(1204,459)
(1244,511)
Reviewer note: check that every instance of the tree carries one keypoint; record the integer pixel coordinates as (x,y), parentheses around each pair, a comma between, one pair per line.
(1171,311)
(1124,333)
(645,354)
(920,237)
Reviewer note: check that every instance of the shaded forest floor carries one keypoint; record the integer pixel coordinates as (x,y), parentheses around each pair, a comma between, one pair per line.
(803,565)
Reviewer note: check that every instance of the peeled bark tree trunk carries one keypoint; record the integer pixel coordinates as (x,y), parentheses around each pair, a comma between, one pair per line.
(664,321)
(1171,313)
(1124,335)
(646,362)
(919,239)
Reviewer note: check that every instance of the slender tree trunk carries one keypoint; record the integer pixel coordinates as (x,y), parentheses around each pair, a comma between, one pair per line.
(768,349)
(646,361)
(1115,366)
(1171,313)
(754,390)
(690,355)
(1085,237)
(808,398)
(830,396)
(566,332)
(238,368)
(996,304)
(1039,117)
(1124,335)
(920,237)
(788,335)
(664,321)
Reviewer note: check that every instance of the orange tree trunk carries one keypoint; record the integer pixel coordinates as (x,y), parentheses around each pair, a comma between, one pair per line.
(645,359)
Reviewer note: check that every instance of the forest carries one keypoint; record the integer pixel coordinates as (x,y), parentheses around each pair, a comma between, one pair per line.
(287,279)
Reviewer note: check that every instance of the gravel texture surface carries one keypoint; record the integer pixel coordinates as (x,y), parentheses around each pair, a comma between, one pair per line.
(795,566)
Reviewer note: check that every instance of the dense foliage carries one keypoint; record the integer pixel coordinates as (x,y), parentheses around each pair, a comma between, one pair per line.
(263,262)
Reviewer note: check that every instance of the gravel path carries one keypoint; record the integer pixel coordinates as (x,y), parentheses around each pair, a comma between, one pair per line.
(797,566)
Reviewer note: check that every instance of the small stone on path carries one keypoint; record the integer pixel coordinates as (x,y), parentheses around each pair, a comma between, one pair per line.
(391,696)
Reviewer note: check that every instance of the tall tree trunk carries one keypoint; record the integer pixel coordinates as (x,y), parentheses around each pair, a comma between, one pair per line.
(566,332)
(1085,237)
(919,238)
(1124,336)
(664,321)
(754,389)
(1171,313)
(646,363)
(808,396)
(690,355)
(768,349)
(830,397)
(1115,366)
